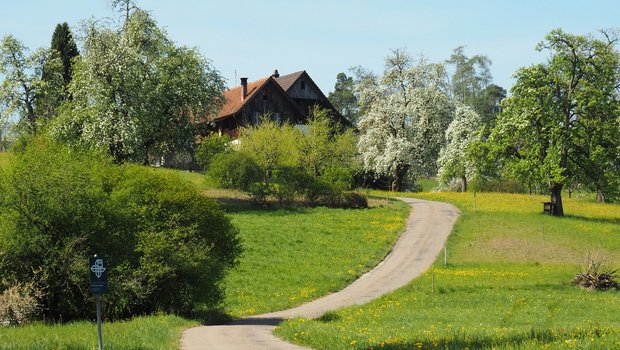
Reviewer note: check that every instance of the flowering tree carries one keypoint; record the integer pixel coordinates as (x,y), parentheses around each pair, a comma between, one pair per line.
(136,92)
(404,115)
(453,161)
(23,88)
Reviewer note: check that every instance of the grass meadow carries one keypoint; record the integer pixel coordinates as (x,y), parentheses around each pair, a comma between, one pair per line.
(143,333)
(507,285)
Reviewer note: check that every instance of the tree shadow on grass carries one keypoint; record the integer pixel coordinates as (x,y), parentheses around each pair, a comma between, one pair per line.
(597,220)
(468,341)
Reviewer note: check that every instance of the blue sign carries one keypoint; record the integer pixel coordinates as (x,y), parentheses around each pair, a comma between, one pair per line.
(98,267)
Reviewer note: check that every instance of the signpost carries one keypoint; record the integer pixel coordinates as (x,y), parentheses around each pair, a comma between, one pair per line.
(98,267)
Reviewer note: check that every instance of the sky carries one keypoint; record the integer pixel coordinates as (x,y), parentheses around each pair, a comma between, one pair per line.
(252,38)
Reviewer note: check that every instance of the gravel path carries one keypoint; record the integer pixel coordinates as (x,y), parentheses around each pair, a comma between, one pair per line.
(426,232)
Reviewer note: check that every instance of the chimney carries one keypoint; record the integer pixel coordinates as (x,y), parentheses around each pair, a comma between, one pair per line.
(275,74)
(244,88)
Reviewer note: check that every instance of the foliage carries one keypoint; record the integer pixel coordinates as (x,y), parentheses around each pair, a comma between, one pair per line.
(161,332)
(23,89)
(405,113)
(64,45)
(343,98)
(454,162)
(280,161)
(471,76)
(210,147)
(167,245)
(506,285)
(136,93)
(488,105)
(560,124)
(19,304)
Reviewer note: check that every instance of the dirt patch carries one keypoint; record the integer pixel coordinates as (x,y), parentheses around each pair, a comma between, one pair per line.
(512,249)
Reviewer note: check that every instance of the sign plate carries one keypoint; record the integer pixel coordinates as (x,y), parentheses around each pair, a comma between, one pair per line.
(98,269)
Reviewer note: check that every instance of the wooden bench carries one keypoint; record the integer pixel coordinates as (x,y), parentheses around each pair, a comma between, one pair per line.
(548,208)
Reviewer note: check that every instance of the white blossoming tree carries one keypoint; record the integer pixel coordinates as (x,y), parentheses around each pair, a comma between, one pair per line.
(405,113)
(453,161)
(136,93)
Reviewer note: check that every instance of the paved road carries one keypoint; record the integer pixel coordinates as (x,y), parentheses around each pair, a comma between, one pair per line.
(427,229)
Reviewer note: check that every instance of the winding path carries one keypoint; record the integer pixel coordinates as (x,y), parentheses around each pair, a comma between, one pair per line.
(428,227)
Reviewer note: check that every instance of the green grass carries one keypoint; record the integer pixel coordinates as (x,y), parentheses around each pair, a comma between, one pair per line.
(293,256)
(144,333)
(507,285)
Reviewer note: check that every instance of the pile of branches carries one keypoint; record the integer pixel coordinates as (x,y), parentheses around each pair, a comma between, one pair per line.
(597,276)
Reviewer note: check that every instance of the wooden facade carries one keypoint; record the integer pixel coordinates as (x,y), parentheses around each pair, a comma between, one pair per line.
(286,98)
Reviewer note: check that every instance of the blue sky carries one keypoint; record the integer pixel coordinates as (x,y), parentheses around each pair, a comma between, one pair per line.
(326,37)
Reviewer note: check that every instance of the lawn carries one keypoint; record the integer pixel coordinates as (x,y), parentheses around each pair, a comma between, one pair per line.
(144,333)
(507,285)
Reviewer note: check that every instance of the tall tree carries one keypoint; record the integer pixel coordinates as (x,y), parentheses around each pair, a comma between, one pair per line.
(404,115)
(470,77)
(63,43)
(560,124)
(23,89)
(138,94)
(343,97)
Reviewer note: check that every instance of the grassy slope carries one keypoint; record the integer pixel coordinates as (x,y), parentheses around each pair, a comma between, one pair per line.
(507,285)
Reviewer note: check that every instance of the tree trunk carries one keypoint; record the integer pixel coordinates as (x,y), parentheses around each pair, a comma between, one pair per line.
(463,184)
(398,178)
(556,199)
(600,196)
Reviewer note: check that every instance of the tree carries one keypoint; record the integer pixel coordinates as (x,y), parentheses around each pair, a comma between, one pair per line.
(488,105)
(560,124)
(404,115)
(470,77)
(138,94)
(63,43)
(343,97)
(23,89)
(454,161)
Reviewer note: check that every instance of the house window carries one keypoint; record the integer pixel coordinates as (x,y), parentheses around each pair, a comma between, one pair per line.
(303,85)
(265,96)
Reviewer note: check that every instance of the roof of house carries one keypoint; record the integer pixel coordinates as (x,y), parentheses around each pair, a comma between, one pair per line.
(286,81)
(233,98)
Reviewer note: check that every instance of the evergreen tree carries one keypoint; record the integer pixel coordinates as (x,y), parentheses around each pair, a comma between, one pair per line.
(63,43)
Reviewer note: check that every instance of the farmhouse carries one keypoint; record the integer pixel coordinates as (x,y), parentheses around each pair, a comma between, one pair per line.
(286,98)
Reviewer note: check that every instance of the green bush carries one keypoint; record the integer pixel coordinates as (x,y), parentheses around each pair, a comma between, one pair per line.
(167,246)
(209,148)
(354,200)
(234,169)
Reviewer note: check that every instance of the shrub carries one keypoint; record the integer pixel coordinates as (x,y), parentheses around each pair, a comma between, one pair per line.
(354,200)
(234,169)
(19,304)
(209,148)
(597,276)
(167,246)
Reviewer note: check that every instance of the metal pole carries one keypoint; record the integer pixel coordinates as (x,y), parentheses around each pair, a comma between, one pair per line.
(98,297)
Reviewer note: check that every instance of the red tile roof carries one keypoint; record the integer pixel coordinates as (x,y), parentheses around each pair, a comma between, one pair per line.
(233,98)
